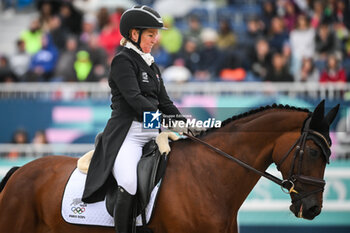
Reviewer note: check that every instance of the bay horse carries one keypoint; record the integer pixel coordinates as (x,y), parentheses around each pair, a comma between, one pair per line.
(201,190)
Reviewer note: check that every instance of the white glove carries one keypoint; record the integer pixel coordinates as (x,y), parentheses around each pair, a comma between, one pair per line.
(162,141)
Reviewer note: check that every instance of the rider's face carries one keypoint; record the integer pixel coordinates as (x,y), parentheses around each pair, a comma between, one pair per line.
(149,38)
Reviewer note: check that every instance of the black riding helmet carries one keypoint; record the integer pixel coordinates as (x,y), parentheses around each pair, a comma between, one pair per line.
(139,17)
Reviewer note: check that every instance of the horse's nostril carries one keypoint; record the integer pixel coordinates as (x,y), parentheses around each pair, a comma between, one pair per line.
(315,209)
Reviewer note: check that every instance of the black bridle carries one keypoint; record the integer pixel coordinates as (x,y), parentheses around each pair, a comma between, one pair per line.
(288,185)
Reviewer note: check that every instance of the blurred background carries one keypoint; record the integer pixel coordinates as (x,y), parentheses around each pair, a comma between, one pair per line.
(218,58)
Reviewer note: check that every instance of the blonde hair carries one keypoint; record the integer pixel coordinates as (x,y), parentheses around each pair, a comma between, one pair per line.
(123,41)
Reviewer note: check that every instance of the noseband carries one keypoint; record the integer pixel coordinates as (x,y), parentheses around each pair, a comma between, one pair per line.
(288,184)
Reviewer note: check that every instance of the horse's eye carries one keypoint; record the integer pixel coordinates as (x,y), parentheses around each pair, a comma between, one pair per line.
(313,152)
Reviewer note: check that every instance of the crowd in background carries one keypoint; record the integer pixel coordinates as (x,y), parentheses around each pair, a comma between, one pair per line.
(285,40)
(21,137)
(277,41)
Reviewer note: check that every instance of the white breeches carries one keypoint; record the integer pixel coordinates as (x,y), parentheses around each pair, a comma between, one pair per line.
(125,165)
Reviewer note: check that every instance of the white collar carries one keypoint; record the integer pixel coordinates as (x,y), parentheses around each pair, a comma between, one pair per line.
(149,59)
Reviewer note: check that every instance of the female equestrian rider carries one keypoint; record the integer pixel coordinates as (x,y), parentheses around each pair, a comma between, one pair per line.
(136,87)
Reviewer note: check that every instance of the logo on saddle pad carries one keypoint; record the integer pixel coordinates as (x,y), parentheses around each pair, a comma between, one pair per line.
(78,207)
(151,120)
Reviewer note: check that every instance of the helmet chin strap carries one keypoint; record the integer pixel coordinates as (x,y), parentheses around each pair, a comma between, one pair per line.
(137,44)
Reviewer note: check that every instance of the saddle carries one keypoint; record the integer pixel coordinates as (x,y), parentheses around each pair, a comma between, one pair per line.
(150,170)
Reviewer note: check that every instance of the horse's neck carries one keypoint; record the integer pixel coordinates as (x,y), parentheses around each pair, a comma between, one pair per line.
(251,140)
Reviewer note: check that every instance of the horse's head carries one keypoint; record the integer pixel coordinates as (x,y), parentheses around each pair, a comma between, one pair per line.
(303,165)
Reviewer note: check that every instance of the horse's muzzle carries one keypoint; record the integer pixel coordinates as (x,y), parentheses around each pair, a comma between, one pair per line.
(307,208)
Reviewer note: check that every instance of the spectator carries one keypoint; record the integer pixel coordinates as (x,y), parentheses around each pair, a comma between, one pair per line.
(341,13)
(317,13)
(278,72)
(86,6)
(83,67)
(326,41)
(254,32)
(304,5)
(291,14)
(161,57)
(40,137)
(194,29)
(308,71)
(98,58)
(346,55)
(269,12)
(333,72)
(281,7)
(177,73)
(32,37)
(342,35)
(287,55)
(226,37)
(210,56)
(19,62)
(116,16)
(20,137)
(64,70)
(43,62)
(6,74)
(57,33)
(54,5)
(231,68)
(109,39)
(261,60)
(190,54)
(39,142)
(45,14)
(302,41)
(71,18)
(103,18)
(278,35)
(171,39)
(89,28)
(329,10)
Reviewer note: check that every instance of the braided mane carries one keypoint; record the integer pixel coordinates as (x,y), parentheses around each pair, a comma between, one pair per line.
(254,111)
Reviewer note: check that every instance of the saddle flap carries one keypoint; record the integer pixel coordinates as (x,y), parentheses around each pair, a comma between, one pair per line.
(150,169)
(111,196)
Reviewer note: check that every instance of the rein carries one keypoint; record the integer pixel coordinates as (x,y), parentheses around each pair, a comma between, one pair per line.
(287,185)
(234,159)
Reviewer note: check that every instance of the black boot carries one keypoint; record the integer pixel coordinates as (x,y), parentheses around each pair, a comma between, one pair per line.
(123,211)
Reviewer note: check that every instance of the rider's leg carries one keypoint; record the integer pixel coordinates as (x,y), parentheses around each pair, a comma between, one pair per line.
(125,172)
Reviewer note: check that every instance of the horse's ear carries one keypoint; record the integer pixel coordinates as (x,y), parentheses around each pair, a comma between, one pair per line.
(329,118)
(318,114)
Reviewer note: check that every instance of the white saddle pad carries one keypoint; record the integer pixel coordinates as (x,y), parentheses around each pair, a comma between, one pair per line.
(77,212)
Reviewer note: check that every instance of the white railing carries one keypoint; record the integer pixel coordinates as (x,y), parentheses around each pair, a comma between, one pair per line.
(39,150)
(58,91)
